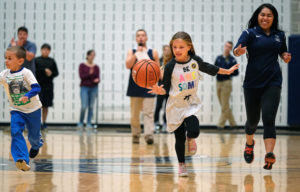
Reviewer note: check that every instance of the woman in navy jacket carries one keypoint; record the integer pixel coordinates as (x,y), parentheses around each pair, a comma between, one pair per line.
(263,41)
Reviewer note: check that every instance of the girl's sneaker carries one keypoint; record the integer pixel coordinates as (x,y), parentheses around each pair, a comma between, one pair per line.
(190,146)
(182,172)
(22,165)
(270,159)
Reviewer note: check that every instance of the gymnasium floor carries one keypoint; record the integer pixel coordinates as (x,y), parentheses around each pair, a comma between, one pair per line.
(106,160)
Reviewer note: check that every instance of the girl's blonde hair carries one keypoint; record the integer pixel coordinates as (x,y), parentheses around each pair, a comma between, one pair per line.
(184,36)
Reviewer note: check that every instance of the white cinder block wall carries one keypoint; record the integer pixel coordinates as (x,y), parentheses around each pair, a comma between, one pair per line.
(72,27)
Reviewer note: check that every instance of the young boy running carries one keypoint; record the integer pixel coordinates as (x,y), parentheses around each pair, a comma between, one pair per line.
(22,90)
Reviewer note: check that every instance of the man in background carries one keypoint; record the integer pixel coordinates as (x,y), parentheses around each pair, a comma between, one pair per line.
(29,46)
(224,85)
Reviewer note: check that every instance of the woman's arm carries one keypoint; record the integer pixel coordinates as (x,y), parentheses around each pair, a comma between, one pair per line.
(239,50)
(284,55)
(241,46)
(96,75)
(84,72)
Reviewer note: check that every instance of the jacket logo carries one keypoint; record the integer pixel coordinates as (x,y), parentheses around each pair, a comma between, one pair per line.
(277,38)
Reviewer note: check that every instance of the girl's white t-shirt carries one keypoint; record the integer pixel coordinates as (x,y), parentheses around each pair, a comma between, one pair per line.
(183,100)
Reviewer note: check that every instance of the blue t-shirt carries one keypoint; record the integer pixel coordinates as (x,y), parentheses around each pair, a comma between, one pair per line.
(225,63)
(262,51)
(133,89)
(30,47)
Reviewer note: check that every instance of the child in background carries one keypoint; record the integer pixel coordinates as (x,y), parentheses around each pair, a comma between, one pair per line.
(46,70)
(22,90)
(180,82)
(161,98)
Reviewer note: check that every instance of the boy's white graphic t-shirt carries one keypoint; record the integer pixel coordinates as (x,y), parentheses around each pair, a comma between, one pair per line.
(16,85)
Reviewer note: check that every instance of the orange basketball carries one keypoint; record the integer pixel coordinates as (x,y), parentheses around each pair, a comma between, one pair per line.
(145,73)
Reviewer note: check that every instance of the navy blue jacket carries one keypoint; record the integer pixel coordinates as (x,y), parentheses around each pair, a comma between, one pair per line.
(225,63)
(262,51)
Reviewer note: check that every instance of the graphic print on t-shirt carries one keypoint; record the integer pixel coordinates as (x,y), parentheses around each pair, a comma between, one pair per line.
(188,77)
(17,89)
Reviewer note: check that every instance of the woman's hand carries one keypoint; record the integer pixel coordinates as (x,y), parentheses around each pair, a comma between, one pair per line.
(240,50)
(286,57)
(96,80)
(159,90)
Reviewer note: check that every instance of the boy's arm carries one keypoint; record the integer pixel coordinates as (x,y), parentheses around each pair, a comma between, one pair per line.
(55,70)
(35,87)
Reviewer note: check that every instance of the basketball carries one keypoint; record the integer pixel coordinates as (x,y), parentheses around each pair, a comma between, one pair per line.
(145,73)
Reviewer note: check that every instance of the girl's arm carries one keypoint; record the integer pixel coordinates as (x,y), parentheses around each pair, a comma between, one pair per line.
(158,90)
(228,71)
(165,87)
(206,67)
(213,69)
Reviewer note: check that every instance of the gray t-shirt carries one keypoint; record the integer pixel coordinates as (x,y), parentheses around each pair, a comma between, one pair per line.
(30,47)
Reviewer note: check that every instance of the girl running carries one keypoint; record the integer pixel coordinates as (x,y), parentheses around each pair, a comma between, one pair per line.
(180,82)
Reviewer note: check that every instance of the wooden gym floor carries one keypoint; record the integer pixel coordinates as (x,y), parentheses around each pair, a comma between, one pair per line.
(106,160)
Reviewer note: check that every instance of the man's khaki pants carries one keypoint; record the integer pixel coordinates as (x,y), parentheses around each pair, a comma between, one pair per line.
(146,105)
(224,89)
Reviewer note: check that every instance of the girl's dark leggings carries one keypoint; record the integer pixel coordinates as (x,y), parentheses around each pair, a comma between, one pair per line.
(265,101)
(189,128)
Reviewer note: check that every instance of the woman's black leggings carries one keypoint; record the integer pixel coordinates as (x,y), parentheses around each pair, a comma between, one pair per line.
(265,100)
(189,128)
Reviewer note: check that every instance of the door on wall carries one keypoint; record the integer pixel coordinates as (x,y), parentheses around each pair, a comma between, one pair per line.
(294,81)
